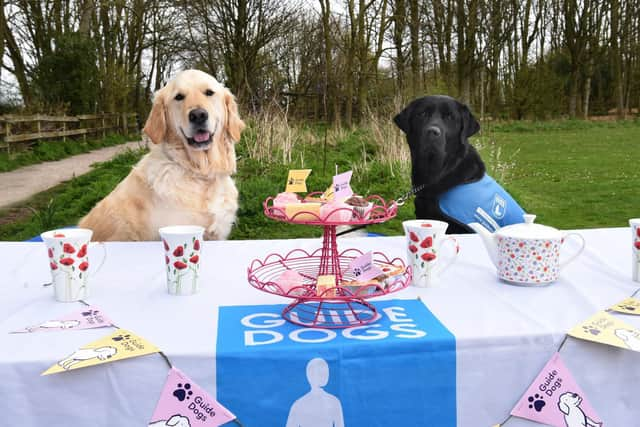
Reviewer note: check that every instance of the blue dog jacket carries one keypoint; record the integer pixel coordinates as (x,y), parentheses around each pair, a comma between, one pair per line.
(483,201)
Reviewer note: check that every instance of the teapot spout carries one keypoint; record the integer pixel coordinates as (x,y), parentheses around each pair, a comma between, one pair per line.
(489,240)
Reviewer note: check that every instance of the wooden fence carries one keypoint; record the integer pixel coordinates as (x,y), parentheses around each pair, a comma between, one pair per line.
(16,129)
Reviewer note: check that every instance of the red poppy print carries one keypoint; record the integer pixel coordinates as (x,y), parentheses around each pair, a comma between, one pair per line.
(83,266)
(166,245)
(196,245)
(67,261)
(82,252)
(166,259)
(194,259)
(68,248)
(413,236)
(179,251)
(638,231)
(53,265)
(413,249)
(428,256)
(427,225)
(427,242)
(637,244)
(50,252)
(180,265)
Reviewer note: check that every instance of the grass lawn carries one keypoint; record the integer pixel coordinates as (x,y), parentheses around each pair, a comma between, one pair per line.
(571,174)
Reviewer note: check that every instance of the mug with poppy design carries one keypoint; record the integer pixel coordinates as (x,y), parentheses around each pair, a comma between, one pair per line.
(635,248)
(68,252)
(425,240)
(182,256)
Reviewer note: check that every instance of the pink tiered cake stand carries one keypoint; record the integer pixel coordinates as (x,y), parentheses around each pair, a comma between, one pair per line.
(341,306)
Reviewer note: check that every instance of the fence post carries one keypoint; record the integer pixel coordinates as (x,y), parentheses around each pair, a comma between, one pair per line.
(125,127)
(7,133)
(104,134)
(38,127)
(64,129)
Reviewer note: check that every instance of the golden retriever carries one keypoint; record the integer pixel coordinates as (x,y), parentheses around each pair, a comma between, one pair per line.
(186,178)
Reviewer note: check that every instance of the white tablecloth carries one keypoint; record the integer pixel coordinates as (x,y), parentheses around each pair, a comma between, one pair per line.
(504,334)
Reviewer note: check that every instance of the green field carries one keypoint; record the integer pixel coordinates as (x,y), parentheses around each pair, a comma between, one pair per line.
(571,174)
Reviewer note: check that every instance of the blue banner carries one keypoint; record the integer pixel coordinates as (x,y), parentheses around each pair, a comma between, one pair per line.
(399,370)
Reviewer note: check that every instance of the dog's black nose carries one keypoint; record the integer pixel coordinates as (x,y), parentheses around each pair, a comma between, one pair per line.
(575,394)
(198,116)
(434,131)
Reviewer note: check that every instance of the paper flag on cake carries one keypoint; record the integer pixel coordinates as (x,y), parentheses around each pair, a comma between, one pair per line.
(119,345)
(185,403)
(605,329)
(628,306)
(88,317)
(363,268)
(328,193)
(554,396)
(297,181)
(341,186)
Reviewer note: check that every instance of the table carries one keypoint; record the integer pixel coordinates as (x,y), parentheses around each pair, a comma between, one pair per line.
(504,334)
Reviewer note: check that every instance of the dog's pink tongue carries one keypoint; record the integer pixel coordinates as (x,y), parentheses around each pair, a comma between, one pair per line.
(201,136)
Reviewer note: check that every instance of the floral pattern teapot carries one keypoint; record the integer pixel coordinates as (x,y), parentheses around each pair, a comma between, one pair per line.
(528,253)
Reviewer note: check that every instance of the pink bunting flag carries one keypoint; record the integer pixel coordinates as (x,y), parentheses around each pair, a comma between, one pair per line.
(363,268)
(555,399)
(87,318)
(341,186)
(185,403)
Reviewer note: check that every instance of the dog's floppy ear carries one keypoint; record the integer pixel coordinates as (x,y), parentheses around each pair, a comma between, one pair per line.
(402,119)
(564,408)
(156,125)
(174,420)
(234,124)
(470,125)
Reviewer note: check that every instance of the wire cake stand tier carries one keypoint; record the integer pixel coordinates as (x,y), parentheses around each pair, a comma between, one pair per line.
(340,306)
(343,305)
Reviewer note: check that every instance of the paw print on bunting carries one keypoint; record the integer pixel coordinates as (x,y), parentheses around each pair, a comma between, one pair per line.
(126,337)
(536,402)
(183,392)
(90,313)
(357,272)
(590,329)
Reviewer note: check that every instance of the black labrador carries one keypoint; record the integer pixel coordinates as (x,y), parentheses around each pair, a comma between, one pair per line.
(437,130)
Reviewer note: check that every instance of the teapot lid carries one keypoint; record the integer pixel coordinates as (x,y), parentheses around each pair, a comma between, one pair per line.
(529,230)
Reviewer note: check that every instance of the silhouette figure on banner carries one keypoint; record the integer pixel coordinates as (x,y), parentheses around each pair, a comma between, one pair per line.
(317,408)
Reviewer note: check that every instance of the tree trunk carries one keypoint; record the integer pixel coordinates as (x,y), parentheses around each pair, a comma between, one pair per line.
(414,29)
(399,25)
(19,68)
(587,89)
(330,91)
(3,27)
(85,17)
(616,58)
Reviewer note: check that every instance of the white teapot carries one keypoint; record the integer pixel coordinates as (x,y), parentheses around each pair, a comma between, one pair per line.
(526,254)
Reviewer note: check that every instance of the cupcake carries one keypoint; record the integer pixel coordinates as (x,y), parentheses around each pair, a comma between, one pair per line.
(336,212)
(361,207)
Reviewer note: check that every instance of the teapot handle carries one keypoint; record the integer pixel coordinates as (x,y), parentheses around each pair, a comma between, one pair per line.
(574,256)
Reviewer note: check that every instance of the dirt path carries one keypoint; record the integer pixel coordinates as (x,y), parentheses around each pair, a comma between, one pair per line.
(20,184)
